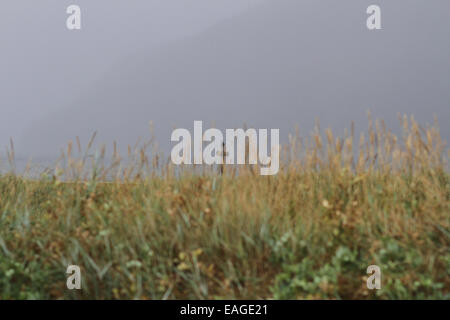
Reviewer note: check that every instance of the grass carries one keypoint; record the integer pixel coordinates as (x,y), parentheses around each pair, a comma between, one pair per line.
(309,232)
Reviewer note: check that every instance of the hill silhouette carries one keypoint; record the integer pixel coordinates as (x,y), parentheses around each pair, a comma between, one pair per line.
(283,63)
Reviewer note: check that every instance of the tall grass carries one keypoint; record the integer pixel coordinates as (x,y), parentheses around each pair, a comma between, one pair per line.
(145,230)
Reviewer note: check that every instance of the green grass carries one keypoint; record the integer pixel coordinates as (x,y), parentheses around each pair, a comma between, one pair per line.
(309,232)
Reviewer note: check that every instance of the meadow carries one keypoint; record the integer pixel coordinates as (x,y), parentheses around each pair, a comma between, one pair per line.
(148,230)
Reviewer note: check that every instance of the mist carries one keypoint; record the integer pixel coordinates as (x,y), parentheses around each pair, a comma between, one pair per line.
(268,64)
(44,67)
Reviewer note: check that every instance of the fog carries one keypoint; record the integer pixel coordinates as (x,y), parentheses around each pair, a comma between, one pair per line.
(269,64)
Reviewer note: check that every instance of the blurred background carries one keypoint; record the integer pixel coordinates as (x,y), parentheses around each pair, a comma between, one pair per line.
(265,63)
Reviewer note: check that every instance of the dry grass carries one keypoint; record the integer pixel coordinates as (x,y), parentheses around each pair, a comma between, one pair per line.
(336,206)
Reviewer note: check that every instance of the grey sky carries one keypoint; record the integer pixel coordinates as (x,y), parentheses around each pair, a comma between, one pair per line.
(270,64)
(43,66)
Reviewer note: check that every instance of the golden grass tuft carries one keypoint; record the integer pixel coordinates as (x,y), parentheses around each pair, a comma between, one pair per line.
(146,230)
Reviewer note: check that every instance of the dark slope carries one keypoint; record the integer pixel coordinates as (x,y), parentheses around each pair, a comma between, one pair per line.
(282,64)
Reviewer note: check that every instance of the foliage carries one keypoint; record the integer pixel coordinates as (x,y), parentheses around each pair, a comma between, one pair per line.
(310,232)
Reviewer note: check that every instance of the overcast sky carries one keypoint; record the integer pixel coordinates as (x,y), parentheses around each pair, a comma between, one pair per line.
(43,66)
(270,64)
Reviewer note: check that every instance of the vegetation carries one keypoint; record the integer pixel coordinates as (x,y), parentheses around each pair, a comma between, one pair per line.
(311,231)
